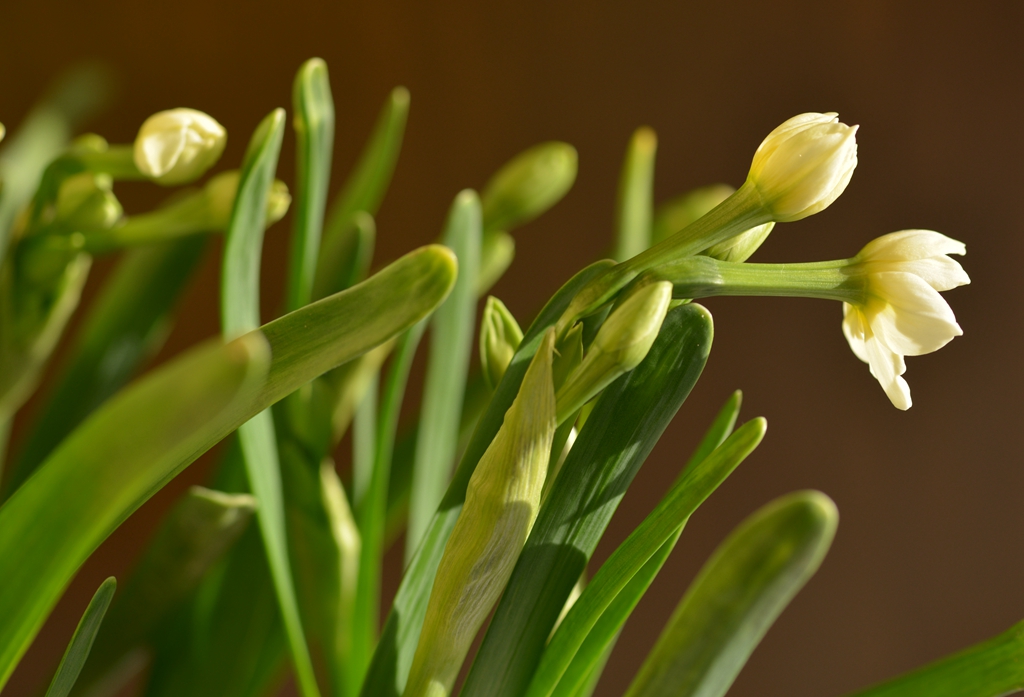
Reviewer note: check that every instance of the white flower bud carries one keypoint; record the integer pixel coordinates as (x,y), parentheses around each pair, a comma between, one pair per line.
(177,146)
(804,165)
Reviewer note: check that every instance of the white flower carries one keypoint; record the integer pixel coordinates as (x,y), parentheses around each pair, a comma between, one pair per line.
(178,145)
(804,165)
(903,313)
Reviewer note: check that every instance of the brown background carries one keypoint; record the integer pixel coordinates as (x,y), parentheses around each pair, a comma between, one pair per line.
(928,556)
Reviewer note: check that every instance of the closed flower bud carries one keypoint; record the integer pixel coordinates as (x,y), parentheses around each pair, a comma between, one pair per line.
(177,146)
(85,202)
(502,500)
(742,246)
(3,131)
(500,336)
(220,194)
(621,343)
(497,250)
(803,165)
(529,184)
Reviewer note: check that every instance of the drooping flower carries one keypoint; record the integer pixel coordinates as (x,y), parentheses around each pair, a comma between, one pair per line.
(804,165)
(902,313)
(177,146)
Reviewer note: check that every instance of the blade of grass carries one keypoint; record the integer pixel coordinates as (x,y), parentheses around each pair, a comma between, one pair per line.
(240,293)
(314,135)
(125,326)
(363,191)
(81,642)
(451,343)
(645,542)
(737,596)
(620,432)
(393,656)
(146,435)
(636,196)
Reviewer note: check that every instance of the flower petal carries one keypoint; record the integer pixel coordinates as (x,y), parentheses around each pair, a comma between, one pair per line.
(888,367)
(941,273)
(917,319)
(907,245)
(856,330)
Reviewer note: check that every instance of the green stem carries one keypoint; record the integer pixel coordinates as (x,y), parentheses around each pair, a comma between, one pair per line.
(118,161)
(991,668)
(704,277)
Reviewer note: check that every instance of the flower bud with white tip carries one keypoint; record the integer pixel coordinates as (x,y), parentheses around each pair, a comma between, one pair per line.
(178,146)
(803,165)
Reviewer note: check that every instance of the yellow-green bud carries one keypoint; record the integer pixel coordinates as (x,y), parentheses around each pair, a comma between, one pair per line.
(742,246)
(178,146)
(500,336)
(803,165)
(528,184)
(3,131)
(220,194)
(621,343)
(675,214)
(502,500)
(85,202)
(497,250)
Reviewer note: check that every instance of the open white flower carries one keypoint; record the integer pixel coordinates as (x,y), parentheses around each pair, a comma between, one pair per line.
(903,313)
(804,165)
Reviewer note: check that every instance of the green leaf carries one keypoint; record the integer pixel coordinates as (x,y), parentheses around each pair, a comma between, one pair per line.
(389,668)
(636,196)
(737,596)
(451,343)
(240,312)
(594,651)
(81,642)
(645,542)
(314,135)
(990,669)
(623,428)
(228,641)
(125,326)
(363,191)
(192,538)
(144,436)
(371,514)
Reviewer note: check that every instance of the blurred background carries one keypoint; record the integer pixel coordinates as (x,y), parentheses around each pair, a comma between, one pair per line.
(928,558)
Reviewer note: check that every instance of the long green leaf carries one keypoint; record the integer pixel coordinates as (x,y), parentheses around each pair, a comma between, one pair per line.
(659,527)
(81,642)
(143,437)
(363,191)
(314,135)
(240,303)
(451,343)
(125,326)
(595,649)
(737,596)
(620,432)
(990,669)
(389,668)
(372,514)
(636,196)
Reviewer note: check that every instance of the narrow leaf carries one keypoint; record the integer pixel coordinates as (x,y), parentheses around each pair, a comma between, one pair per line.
(623,428)
(363,191)
(391,660)
(451,343)
(240,303)
(314,135)
(737,596)
(659,527)
(143,437)
(81,642)
(636,196)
